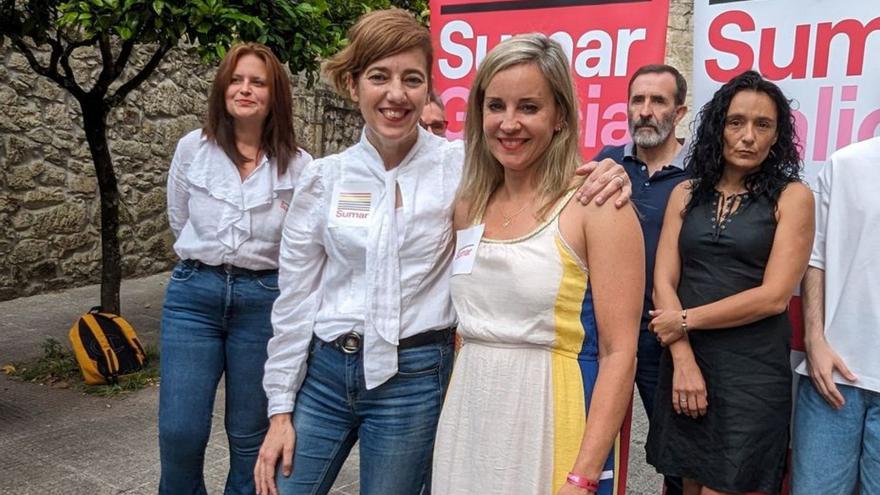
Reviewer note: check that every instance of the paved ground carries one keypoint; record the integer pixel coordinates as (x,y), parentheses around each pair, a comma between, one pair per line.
(57,441)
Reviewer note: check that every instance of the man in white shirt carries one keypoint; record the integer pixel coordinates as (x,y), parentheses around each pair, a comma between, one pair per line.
(836,437)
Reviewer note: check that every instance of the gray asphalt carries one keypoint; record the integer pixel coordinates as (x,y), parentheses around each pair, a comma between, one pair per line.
(59,441)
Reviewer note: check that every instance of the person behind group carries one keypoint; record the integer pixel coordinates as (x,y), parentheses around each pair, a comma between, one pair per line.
(363,326)
(549,311)
(433,116)
(228,190)
(654,161)
(734,245)
(837,418)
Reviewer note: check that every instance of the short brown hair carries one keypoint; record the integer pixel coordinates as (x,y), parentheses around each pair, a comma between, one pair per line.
(681,85)
(375,36)
(279,139)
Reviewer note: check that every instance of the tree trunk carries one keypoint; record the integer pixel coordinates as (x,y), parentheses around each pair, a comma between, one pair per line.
(95,126)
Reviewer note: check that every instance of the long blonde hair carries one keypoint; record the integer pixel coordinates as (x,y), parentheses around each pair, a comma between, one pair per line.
(482,173)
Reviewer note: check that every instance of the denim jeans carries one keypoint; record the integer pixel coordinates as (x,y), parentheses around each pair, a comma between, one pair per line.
(835,451)
(213,323)
(394,422)
(647,370)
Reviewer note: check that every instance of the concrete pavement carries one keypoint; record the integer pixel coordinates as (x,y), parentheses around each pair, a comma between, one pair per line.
(59,441)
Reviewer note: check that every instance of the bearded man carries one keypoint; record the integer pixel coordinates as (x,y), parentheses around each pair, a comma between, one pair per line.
(654,161)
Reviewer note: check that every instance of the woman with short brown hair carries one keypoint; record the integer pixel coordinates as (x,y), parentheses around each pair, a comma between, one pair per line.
(364,325)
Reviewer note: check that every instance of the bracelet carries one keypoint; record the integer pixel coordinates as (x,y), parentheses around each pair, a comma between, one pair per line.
(579,481)
(684,324)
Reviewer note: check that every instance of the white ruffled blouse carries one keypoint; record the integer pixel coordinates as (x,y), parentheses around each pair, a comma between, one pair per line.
(216,217)
(351,261)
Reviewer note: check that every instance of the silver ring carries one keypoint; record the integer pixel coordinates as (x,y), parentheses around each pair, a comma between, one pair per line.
(682,400)
(620,178)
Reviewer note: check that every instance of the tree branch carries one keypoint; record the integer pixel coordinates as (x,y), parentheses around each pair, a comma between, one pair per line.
(138,78)
(108,70)
(124,55)
(71,46)
(50,72)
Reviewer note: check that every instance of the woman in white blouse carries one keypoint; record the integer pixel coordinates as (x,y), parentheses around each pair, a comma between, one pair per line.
(229,187)
(364,268)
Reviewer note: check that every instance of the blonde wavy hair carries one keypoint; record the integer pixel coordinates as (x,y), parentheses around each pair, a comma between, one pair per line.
(482,172)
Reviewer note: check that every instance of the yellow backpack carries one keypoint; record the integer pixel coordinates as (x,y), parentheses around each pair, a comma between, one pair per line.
(106,347)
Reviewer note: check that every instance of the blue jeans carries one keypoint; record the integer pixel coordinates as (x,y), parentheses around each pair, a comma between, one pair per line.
(647,370)
(395,422)
(835,451)
(213,323)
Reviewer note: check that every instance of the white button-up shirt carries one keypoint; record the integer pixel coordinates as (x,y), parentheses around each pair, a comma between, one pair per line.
(350,262)
(216,217)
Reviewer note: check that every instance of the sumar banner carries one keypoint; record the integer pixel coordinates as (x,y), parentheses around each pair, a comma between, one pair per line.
(606,41)
(823,54)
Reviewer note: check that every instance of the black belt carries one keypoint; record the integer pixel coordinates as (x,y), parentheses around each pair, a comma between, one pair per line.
(228,268)
(352,342)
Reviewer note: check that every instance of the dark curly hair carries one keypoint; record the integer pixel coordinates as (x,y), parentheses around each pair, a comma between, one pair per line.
(705,160)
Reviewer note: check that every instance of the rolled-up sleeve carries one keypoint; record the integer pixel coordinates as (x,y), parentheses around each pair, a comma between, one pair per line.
(300,266)
(823,204)
(178,187)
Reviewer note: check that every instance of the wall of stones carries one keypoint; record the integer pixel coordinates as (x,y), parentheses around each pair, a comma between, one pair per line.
(49,209)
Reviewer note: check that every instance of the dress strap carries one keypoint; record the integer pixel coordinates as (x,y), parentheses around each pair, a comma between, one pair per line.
(562,203)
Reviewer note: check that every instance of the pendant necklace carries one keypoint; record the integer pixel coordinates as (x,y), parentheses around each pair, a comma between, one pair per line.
(509,218)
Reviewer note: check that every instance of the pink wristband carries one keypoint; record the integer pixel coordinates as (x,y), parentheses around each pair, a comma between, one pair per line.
(579,481)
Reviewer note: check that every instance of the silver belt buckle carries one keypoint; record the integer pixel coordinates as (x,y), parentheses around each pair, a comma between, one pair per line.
(351,343)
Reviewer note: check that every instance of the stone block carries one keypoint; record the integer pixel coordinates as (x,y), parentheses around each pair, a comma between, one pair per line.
(82,185)
(44,196)
(80,240)
(131,149)
(22,220)
(28,251)
(150,204)
(22,177)
(43,269)
(53,176)
(8,204)
(66,219)
(18,149)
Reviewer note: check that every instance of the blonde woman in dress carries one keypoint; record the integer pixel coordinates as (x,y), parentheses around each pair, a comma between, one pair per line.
(548,295)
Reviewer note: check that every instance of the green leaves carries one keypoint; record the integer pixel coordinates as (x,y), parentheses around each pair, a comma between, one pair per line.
(300,32)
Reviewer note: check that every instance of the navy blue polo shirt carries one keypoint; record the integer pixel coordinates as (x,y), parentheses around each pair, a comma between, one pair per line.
(650,195)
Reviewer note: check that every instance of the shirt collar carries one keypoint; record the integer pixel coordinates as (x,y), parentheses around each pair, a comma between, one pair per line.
(377,165)
(629,152)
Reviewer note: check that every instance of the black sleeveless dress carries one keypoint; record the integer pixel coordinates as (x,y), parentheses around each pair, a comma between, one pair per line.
(741,443)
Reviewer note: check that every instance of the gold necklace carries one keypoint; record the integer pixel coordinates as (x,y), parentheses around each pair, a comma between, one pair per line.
(509,218)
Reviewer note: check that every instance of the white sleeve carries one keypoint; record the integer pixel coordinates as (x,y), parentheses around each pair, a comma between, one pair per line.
(178,187)
(823,203)
(300,265)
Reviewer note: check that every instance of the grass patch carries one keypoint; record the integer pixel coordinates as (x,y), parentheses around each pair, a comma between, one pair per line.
(57,367)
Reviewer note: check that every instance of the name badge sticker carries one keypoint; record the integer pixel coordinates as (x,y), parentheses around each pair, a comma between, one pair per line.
(466,243)
(353,205)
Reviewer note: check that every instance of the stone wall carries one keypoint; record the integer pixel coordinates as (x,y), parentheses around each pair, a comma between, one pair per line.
(49,234)
(49,209)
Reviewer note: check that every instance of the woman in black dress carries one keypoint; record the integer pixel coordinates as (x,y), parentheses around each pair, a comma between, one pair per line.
(735,243)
